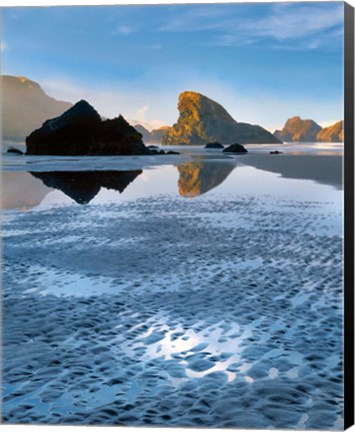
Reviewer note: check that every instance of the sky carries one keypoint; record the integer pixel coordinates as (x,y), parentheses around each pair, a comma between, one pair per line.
(264,62)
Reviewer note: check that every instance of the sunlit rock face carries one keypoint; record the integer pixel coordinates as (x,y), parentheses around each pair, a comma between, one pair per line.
(197,178)
(202,120)
(25,106)
(83,186)
(297,129)
(334,133)
(80,132)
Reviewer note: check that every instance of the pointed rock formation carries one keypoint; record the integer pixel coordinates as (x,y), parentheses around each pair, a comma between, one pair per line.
(297,129)
(80,131)
(25,106)
(203,120)
(334,133)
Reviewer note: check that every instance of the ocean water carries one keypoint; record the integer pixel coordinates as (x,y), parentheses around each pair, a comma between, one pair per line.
(198,290)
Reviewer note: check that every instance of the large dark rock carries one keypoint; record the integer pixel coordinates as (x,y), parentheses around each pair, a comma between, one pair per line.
(80,131)
(25,106)
(297,129)
(235,148)
(214,145)
(83,186)
(203,120)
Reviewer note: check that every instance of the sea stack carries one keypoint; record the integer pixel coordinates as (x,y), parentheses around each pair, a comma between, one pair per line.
(80,131)
(203,120)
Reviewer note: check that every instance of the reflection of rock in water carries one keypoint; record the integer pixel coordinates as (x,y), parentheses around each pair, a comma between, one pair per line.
(21,191)
(83,186)
(197,178)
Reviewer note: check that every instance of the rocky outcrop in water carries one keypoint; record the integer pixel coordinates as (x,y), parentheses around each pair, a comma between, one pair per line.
(235,148)
(80,132)
(14,150)
(83,186)
(25,106)
(297,129)
(214,145)
(334,133)
(203,120)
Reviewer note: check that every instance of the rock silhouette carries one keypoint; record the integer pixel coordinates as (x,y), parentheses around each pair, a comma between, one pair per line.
(15,150)
(235,148)
(214,145)
(83,186)
(80,131)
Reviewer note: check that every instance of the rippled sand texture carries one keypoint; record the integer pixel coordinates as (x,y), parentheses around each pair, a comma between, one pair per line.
(175,312)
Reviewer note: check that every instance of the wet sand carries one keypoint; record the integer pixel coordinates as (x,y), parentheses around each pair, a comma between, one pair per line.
(217,311)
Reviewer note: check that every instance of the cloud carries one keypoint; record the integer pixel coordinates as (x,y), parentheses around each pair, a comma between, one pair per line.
(296,22)
(196,19)
(140,117)
(156,46)
(3,46)
(142,112)
(278,23)
(124,30)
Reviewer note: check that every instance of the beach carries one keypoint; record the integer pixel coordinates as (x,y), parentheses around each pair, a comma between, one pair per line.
(200,289)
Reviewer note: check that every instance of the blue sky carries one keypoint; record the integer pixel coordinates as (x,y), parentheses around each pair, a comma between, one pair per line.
(264,62)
